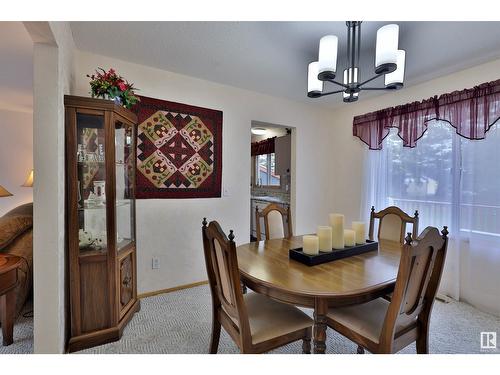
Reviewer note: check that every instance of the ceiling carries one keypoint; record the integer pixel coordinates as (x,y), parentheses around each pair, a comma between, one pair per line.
(16,67)
(272,57)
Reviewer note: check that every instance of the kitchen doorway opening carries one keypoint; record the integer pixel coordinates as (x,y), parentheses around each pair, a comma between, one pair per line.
(272,171)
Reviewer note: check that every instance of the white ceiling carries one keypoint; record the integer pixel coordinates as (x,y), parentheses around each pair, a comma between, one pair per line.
(16,67)
(272,57)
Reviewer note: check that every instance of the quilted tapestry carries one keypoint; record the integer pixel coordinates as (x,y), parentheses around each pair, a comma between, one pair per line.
(179,150)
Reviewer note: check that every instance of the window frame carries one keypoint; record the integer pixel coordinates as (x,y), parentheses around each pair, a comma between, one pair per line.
(256,172)
(457,220)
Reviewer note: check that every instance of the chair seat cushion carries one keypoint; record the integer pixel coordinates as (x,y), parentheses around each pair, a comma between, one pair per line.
(269,318)
(365,319)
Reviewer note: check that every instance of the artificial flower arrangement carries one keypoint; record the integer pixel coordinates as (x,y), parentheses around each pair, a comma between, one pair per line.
(110,85)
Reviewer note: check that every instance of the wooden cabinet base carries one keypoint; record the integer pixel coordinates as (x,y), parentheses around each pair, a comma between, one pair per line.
(103,336)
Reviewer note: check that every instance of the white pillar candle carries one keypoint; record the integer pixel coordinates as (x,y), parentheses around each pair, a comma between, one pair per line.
(349,237)
(360,229)
(325,238)
(337,224)
(310,244)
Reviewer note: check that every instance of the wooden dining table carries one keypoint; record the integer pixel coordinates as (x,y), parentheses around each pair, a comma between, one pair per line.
(266,268)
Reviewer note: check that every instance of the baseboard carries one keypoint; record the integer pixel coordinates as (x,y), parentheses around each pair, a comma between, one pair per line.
(443,298)
(174,289)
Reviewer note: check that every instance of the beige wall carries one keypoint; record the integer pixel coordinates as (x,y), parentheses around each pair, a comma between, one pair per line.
(171,229)
(16,156)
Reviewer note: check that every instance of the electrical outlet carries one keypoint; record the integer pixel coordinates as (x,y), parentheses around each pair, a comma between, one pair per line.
(155,264)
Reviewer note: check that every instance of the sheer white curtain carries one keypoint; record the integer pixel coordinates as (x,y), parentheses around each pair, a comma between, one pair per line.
(451,181)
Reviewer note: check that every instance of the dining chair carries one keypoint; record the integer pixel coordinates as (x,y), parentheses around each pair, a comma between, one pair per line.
(256,323)
(392,224)
(276,218)
(387,327)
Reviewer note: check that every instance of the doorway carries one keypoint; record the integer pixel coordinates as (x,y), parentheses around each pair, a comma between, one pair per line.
(271,169)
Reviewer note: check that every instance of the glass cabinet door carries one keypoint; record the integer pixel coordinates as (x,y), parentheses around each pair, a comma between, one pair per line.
(91,184)
(125,172)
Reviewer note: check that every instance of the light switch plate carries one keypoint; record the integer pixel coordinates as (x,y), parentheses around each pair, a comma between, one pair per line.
(225,192)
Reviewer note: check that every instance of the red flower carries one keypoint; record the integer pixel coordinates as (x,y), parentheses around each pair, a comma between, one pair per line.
(122,86)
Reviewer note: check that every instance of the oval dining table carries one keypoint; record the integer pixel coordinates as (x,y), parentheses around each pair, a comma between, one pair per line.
(266,268)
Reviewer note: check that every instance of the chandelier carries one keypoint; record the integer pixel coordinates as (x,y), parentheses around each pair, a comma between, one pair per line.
(389,62)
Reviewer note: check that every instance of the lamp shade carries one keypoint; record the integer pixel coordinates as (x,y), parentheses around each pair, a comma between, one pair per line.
(350,76)
(4,192)
(386,49)
(29,180)
(314,85)
(327,57)
(395,79)
(349,98)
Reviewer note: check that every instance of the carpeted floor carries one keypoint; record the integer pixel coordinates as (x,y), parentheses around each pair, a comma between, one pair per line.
(180,322)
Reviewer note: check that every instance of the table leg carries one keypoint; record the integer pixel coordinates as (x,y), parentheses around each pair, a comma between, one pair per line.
(7,311)
(320,310)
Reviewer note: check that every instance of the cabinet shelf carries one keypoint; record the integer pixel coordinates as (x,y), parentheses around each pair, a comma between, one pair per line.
(120,203)
(98,162)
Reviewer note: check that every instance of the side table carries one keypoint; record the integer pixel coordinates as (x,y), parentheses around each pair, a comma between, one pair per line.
(8,281)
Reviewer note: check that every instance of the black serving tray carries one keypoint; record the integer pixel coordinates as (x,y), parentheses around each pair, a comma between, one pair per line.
(313,260)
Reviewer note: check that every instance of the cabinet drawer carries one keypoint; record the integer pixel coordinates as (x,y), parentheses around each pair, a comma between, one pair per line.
(126,286)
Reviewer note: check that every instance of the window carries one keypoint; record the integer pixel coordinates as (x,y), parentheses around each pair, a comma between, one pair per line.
(451,180)
(265,171)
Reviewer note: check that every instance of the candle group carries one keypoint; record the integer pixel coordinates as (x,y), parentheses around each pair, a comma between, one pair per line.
(310,244)
(334,236)
(337,224)
(360,229)
(325,238)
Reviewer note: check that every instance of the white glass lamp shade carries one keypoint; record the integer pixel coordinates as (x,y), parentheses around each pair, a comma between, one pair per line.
(349,98)
(395,79)
(314,85)
(386,49)
(327,57)
(350,77)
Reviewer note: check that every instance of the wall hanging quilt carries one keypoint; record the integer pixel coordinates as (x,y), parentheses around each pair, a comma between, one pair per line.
(179,150)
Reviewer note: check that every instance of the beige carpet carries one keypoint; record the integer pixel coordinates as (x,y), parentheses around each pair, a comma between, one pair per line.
(180,322)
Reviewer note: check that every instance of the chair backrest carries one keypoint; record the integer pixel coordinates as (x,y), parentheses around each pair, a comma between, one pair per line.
(223,275)
(420,270)
(276,220)
(392,224)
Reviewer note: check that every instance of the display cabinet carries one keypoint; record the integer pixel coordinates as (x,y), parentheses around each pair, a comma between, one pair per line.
(100,212)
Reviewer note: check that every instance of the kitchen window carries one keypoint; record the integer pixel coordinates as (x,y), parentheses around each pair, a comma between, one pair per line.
(265,171)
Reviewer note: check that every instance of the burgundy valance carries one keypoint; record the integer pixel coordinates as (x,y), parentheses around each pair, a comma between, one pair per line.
(263,147)
(471,112)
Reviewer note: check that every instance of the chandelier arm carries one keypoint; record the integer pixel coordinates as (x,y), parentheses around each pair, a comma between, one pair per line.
(371,79)
(377,88)
(338,83)
(331,92)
